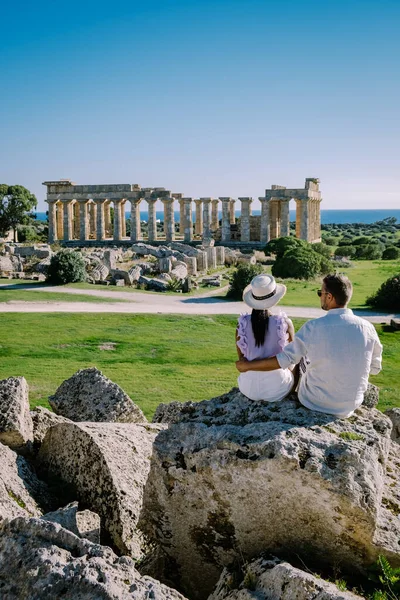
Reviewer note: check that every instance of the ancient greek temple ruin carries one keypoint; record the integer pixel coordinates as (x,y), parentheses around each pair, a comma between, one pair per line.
(87,213)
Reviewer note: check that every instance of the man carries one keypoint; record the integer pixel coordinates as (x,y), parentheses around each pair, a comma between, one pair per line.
(335,353)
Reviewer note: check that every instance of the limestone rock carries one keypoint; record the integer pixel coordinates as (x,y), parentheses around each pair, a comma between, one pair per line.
(179,271)
(232,478)
(42,420)
(142,249)
(85,523)
(275,580)
(17,483)
(90,396)
(16,427)
(371,396)
(394,416)
(107,464)
(40,559)
(135,273)
(158,285)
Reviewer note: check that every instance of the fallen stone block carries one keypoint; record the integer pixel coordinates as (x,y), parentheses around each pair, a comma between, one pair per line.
(42,560)
(42,420)
(269,579)
(107,464)
(90,396)
(394,416)
(16,428)
(231,478)
(83,523)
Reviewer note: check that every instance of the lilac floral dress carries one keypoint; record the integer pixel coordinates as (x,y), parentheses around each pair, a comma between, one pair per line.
(264,385)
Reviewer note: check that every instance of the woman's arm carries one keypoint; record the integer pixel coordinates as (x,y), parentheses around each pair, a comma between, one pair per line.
(290,329)
(240,353)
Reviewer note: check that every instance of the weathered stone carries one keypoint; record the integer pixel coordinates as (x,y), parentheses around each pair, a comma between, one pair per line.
(42,266)
(142,249)
(107,464)
(135,273)
(42,420)
(17,484)
(16,428)
(394,416)
(220,253)
(90,396)
(40,559)
(118,275)
(179,271)
(42,252)
(232,478)
(371,396)
(191,264)
(85,523)
(267,579)
(118,282)
(110,259)
(158,285)
(245,259)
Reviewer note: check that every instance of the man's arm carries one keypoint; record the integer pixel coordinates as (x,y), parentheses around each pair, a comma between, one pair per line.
(264,364)
(376,362)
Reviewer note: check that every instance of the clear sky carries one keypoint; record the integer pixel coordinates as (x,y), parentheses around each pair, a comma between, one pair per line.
(207,97)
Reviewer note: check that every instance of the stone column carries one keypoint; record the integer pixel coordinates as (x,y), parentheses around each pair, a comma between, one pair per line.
(265,222)
(67,220)
(285,218)
(60,227)
(152,219)
(92,208)
(107,219)
(206,217)
(304,220)
(199,218)
(52,221)
(136,233)
(100,220)
(232,218)
(226,225)
(188,219)
(117,221)
(169,219)
(77,226)
(245,219)
(318,219)
(83,220)
(220,253)
(182,224)
(274,214)
(214,215)
(123,219)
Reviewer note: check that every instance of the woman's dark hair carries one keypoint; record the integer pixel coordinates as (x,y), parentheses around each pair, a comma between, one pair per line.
(259,324)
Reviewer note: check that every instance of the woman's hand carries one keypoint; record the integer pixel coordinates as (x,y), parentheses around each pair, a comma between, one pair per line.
(242,365)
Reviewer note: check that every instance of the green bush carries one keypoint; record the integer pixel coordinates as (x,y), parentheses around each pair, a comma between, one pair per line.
(369,251)
(241,277)
(279,246)
(348,251)
(322,249)
(66,266)
(299,263)
(388,295)
(391,253)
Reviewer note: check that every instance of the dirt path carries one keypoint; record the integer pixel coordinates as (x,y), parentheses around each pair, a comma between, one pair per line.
(206,304)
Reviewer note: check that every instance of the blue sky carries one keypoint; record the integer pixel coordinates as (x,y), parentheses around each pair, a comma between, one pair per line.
(208,98)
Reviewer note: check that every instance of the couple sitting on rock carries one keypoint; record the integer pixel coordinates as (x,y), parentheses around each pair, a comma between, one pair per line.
(335,354)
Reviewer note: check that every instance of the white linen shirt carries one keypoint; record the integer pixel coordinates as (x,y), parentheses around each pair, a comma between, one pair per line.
(336,353)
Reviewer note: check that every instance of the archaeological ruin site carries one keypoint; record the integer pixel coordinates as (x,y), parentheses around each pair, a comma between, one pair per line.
(82,213)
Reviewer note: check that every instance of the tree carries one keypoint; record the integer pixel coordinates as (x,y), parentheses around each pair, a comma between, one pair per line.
(391,253)
(66,266)
(322,249)
(300,263)
(388,295)
(15,204)
(279,246)
(241,278)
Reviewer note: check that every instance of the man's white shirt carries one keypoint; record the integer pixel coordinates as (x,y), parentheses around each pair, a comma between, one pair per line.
(336,354)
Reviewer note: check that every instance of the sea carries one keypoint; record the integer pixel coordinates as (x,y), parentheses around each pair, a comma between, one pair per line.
(327,216)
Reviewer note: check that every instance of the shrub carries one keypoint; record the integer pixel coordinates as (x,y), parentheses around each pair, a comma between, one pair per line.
(322,249)
(66,267)
(388,295)
(299,263)
(241,277)
(281,245)
(391,253)
(348,251)
(329,240)
(369,251)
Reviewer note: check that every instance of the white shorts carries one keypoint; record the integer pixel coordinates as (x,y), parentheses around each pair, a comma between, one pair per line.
(266,385)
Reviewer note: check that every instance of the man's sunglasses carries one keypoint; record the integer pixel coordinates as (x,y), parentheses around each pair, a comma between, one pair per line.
(320,292)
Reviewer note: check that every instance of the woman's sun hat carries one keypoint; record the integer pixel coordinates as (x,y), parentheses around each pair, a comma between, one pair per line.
(263,292)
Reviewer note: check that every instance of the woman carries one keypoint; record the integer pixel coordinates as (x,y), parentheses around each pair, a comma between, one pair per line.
(261,335)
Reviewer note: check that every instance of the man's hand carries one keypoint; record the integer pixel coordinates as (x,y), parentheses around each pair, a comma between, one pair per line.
(242,365)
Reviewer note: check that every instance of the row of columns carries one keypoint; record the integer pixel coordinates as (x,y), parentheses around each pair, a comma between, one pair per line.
(91,219)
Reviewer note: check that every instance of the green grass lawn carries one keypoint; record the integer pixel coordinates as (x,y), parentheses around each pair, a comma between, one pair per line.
(32,296)
(157,358)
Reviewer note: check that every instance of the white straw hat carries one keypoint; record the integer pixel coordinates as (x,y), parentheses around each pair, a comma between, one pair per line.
(263,292)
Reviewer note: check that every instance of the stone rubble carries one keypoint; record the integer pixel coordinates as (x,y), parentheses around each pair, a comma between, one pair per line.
(394,416)
(16,427)
(83,523)
(90,396)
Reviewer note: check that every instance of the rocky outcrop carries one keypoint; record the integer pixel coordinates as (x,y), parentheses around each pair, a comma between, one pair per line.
(267,579)
(90,396)
(40,559)
(16,427)
(18,486)
(394,416)
(107,465)
(232,478)
(42,420)
(83,523)
(371,396)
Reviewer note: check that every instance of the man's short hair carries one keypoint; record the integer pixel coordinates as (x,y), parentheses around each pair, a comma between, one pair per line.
(340,287)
